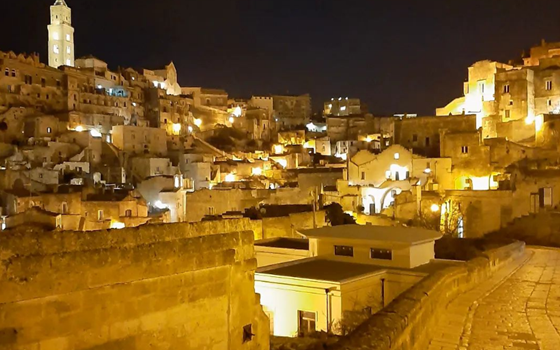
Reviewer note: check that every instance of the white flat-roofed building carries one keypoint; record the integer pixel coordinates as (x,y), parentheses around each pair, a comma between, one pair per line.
(390,246)
(353,271)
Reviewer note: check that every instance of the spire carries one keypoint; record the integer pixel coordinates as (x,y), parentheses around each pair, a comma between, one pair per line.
(60,2)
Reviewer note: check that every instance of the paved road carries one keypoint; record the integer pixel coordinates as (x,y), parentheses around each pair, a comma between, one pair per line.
(519,308)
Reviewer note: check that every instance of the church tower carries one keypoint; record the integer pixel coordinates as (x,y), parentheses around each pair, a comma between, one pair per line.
(61,36)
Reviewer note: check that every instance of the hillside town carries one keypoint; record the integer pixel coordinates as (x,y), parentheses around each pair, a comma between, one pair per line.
(341,200)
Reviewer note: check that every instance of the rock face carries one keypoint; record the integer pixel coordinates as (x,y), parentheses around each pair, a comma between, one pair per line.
(180,286)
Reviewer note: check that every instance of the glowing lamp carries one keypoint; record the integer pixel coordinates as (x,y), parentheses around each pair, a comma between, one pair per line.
(256,171)
(159,204)
(198,122)
(434,208)
(368,139)
(79,128)
(95,133)
(278,149)
(231,120)
(176,128)
(190,128)
(529,120)
(117,225)
(230,178)
(237,111)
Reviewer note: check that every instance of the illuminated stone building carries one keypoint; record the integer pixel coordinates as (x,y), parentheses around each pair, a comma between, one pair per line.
(140,140)
(504,97)
(291,110)
(342,107)
(61,36)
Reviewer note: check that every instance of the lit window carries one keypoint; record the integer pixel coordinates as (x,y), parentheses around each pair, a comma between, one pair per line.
(68,37)
(465,149)
(381,254)
(68,49)
(548,85)
(506,89)
(56,36)
(507,114)
(55,49)
(68,62)
(397,156)
(343,108)
(49,130)
(342,250)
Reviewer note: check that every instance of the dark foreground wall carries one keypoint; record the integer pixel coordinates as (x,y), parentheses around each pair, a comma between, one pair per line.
(180,286)
(406,322)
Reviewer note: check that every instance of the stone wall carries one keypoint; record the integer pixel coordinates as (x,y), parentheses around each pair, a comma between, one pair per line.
(175,286)
(536,229)
(286,226)
(405,323)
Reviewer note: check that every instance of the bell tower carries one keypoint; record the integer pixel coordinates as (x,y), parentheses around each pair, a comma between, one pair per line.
(61,36)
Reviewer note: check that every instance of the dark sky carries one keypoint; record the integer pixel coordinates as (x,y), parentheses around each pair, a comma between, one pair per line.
(397,56)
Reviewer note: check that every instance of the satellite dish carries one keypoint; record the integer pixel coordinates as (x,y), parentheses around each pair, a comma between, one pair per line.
(96,177)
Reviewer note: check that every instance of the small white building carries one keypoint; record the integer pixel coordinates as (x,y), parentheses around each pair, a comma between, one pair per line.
(353,271)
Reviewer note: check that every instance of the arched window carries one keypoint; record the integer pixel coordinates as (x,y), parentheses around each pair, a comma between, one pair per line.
(64,208)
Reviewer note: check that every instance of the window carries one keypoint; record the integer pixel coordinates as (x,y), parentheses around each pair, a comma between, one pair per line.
(363,175)
(211,211)
(511,102)
(397,156)
(128,213)
(427,141)
(43,82)
(68,49)
(55,34)
(507,114)
(40,176)
(342,250)
(506,89)
(64,208)
(68,38)
(56,49)
(481,86)
(68,62)
(49,130)
(465,149)
(545,197)
(13,72)
(7,72)
(381,254)
(248,333)
(414,138)
(28,79)
(306,322)
(100,215)
(549,102)
(548,85)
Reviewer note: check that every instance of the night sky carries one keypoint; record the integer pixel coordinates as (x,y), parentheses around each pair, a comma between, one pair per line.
(397,56)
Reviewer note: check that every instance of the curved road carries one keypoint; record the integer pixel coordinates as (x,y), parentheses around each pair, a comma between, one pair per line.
(518,308)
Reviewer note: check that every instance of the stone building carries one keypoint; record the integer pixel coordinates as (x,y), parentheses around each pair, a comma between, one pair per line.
(61,35)
(422,134)
(342,107)
(140,140)
(292,110)
(511,93)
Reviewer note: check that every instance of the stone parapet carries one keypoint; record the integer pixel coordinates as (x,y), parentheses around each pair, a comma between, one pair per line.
(405,323)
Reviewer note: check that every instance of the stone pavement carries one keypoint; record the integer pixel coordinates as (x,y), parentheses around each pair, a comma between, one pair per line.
(518,308)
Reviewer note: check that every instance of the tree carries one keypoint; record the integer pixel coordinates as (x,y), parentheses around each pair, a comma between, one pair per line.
(336,216)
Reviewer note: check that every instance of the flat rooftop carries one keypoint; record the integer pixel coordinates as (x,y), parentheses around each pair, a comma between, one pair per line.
(324,270)
(395,234)
(338,271)
(287,243)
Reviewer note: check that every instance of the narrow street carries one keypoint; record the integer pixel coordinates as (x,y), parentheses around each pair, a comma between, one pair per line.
(519,308)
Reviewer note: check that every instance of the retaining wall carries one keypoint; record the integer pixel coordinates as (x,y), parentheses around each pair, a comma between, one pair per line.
(175,286)
(405,323)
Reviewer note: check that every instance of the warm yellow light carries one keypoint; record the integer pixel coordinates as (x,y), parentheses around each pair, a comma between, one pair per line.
(230,178)
(176,128)
(434,208)
(231,120)
(278,149)
(282,162)
(237,111)
(79,128)
(529,120)
(481,183)
(368,139)
(117,225)
(198,122)
(539,121)
(256,171)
